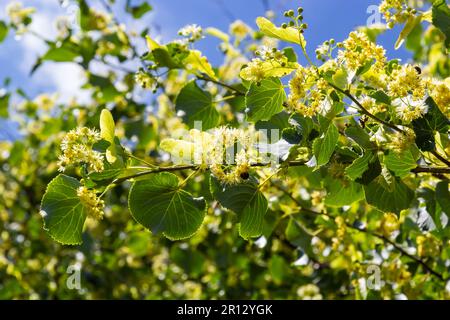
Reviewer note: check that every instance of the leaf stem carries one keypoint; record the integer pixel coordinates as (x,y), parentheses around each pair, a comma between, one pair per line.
(193,173)
(222,84)
(364,110)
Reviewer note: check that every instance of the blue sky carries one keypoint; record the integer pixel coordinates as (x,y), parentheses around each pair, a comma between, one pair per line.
(326,18)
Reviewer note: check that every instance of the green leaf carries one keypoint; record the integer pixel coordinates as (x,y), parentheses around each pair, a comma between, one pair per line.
(365,68)
(381,97)
(247,201)
(414,41)
(410,24)
(139,243)
(364,169)
(197,64)
(340,193)
(4,105)
(164,59)
(3,31)
(359,135)
(274,69)
(443,196)
(323,147)
(274,126)
(426,126)
(265,99)
(197,105)
(290,54)
(441,19)
(60,54)
(388,198)
(107,132)
(340,79)
(289,34)
(303,125)
(359,166)
(169,56)
(106,174)
(291,135)
(179,149)
(299,236)
(401,163)
(139,11)
(64,214)
(161,206)
(278,268)
(191,260)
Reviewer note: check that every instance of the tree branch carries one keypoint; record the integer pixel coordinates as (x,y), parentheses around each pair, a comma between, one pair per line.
(437,170)
(222,84)
(364,110)
(433,170)
(437,155)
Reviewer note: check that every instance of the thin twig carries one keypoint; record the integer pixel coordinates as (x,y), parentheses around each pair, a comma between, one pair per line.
(437,155)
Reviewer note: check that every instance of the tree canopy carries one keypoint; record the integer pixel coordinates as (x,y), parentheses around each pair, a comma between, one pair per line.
(273,175)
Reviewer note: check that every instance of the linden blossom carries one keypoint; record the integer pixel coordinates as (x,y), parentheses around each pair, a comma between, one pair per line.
(187,310)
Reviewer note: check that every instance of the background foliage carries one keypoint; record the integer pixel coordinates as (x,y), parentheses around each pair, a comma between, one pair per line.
(310,231)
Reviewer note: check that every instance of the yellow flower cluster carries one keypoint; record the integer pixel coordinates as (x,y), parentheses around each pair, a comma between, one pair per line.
(396,11)
(389,224)
(406,80)
(323,52)
(307,96)
(192,31)
(227,152)
(77,149)
(309,292)
(91,202)
(341,231)
(428,245)
(145,80)
(440,92)
(372,105)
(46,102)
(63,25)
(239,29)
(17,13)
(255,70)
(396,272)
(236,165)
(376,79)
(99,20)
(317,198)
(408,108)
(401,141)
(358,50)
